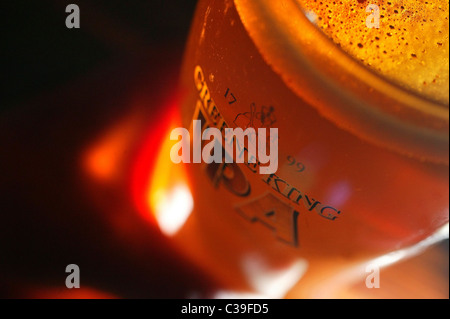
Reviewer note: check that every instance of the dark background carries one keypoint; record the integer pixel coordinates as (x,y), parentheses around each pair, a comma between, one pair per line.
(39,53)
(61,89)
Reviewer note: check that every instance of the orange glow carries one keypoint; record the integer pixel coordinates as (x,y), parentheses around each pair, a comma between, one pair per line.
(64,293)
(154,176)
(168,194)
(103,159)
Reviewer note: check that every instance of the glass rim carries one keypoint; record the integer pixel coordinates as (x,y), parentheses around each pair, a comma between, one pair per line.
(417,125)
(388,81)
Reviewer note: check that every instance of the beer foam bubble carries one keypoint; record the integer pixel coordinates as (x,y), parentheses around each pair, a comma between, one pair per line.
(410,47)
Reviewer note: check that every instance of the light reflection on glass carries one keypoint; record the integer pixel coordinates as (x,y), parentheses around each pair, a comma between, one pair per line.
(270,282)
(172,208)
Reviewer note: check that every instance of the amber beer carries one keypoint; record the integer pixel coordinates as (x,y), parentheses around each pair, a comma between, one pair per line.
(362,118)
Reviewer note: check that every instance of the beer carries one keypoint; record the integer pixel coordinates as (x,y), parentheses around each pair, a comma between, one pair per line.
(362,160)
(410,46)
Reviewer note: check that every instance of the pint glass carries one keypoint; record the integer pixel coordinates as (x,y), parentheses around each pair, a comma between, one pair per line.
(362,172)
